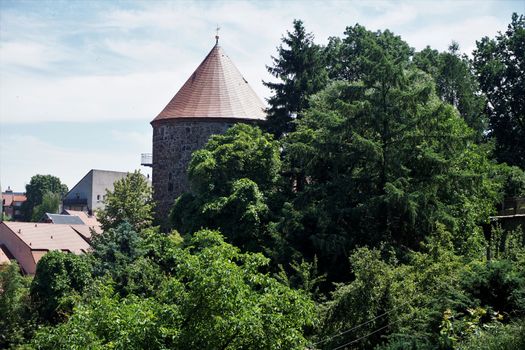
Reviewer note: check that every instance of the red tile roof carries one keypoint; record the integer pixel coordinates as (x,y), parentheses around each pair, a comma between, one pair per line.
(86,231)
(10,198)
(215,90)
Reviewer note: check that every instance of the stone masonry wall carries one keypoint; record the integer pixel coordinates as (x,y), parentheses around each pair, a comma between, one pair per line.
(173,143)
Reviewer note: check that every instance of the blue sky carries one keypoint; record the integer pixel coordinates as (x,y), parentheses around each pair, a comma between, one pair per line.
(81,80)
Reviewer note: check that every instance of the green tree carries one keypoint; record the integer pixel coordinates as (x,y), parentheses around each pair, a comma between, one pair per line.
(393,305)
(499,336)
(130,201)
(500,67)
(513,179)
(118,252)
(59,279)
(215,298)
(383,159)
(498,284)
(456,84)
(36,190)
(50,204)
(347,58)
(300,70)
(233,180)
(16,323)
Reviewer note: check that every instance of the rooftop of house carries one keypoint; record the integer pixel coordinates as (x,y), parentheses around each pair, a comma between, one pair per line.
(215,90)
(63,219)
(8,197)
(90,220)
(40,236)
(4,259)
(87,231)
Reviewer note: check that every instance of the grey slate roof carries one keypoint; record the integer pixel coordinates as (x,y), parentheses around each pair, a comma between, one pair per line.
(64,219)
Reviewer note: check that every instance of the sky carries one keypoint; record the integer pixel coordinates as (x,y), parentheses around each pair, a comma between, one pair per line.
(81,80)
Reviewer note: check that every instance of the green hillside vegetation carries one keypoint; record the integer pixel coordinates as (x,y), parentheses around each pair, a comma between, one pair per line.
(356,217)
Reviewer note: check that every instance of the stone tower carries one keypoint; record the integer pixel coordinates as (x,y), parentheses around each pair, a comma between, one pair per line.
(214,97)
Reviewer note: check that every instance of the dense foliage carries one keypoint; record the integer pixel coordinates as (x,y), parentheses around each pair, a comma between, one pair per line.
(232,179)
(39,188)
(362,219)
(209,296)
(59,278)
(130,201)
(456,84)
(17,321)
(50,204)
(500,66)
(301,72)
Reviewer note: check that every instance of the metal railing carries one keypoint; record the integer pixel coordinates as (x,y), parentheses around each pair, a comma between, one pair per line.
(146,159)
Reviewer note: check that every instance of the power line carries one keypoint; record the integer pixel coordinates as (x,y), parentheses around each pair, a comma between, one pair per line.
(366,336)
(362,324)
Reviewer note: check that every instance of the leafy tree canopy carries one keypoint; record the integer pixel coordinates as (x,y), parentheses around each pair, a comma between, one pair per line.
(37,189)
(215,298)
(50,204)
(17,321)
(456,84)
(58,279)
(130,201)
(500,67)
(384,159)
(347,56)
(233,179)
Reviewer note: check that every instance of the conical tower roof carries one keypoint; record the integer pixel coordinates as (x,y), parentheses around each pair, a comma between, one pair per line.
(215,90)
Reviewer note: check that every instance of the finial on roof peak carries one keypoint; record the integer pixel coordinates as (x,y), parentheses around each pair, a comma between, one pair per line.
(217,35)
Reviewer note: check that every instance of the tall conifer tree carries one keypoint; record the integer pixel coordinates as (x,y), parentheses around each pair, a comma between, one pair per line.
(299,67)
(500,66)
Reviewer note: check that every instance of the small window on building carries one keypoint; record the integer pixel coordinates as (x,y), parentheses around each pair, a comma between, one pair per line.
(98,197)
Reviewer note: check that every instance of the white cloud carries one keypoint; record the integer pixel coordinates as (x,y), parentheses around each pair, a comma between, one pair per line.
(394,16)
(28,54)
(86,98)
(128,63)
(114,63)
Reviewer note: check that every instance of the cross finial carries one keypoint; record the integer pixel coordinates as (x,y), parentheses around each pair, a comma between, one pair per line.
(217,34)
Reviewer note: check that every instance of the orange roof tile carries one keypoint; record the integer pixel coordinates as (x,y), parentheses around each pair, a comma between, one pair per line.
(41,236)
(86,231)
(215,90)
(9,198)
(19,198)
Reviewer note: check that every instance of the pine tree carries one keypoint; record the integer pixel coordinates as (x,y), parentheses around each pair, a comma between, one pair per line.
(299,67)
(456,84)
(500,66)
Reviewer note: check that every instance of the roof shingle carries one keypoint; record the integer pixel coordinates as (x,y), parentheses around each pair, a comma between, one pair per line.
(215,90)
